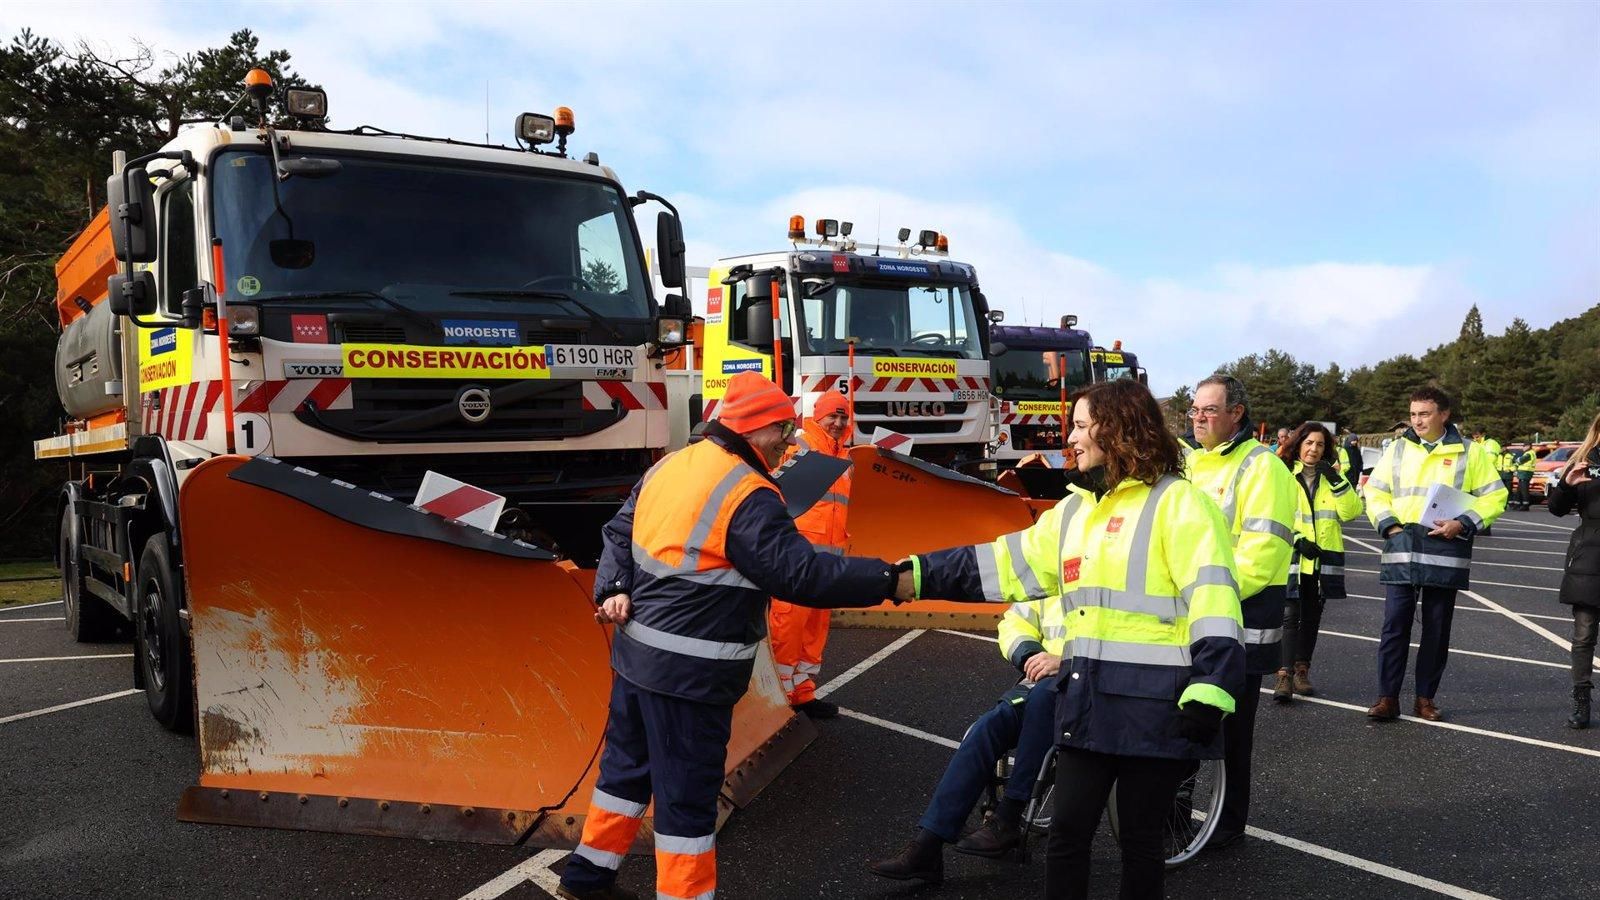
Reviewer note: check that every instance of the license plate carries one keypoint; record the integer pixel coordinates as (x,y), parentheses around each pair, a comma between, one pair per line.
(972,396)
(589,356)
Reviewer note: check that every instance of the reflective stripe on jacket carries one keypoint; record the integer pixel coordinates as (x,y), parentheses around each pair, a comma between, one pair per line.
(1033,626)
(700,546)
(824,523)
(1323,508)
(1397,494)
(1149,602)
(1257,496)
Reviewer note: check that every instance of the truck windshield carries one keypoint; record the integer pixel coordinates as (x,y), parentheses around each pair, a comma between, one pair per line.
(889,317)
(422,231)
(1031,374)
(1112,366)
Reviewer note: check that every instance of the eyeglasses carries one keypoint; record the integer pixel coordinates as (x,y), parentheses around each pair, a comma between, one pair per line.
(1208,412)
(788,429)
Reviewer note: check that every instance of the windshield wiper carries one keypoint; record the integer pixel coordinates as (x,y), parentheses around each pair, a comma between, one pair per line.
(390,302)
(535,294)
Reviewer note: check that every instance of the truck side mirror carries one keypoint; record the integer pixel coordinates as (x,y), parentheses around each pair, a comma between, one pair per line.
(194,305)
(670,248)
(757,310)
(132,201)
(132,295)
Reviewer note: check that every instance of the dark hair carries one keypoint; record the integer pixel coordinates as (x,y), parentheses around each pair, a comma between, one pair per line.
(1431,394)
(1233,391)
(1129,427)
(1289,451)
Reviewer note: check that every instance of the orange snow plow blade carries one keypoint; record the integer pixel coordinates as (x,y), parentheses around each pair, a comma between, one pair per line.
(900,506)
(364,667)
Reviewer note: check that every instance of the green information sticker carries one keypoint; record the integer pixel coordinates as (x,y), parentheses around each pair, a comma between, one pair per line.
(248,285)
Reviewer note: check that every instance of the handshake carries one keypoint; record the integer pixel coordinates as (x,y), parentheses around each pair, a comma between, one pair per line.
(905,581)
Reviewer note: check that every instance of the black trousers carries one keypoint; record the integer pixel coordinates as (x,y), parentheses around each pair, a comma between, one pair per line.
(1238,739)
(1302,617)
(1585,625)
(1146,790)
(1523,480)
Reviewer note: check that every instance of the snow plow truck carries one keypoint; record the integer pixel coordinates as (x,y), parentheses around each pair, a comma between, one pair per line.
(270,336)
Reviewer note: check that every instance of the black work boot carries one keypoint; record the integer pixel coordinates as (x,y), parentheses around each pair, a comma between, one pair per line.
(921,860)
(996,838)
(1580,708)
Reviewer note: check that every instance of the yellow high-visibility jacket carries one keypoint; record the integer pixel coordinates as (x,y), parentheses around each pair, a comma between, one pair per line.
(1257,496)
(1322,512)
(1397,494)
(1150,605)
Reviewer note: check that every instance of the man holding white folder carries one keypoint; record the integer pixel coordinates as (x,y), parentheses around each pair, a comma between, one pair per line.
(1428,496)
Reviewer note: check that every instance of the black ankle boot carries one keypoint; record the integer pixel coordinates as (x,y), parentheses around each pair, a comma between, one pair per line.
(1580,708)
(920,860)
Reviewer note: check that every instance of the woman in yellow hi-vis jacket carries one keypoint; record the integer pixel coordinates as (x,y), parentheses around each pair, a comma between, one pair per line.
(1316,575)
(1143,564)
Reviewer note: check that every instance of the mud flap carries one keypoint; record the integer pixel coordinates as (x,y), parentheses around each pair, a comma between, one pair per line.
(900,506)
(364,667)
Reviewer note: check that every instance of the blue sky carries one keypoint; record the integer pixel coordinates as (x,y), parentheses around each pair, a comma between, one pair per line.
(1200,180)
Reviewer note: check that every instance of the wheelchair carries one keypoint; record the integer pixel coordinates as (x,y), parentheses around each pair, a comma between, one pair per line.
(1194,813)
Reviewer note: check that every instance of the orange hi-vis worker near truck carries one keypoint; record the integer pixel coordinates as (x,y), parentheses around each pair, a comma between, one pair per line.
(798,633)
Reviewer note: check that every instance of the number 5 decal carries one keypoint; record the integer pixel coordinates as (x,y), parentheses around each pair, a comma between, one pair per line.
(252,434)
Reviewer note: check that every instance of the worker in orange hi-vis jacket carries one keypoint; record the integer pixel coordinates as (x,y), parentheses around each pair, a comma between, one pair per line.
(798,633)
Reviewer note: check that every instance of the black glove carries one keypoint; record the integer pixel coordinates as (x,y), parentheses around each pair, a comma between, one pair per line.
(894,580)
(1329,471)
(1199,722)
(1307,549)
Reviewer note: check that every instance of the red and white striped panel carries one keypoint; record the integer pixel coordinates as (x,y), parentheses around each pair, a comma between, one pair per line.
(179,413)
(632,395)
(896,385)
(1018,419)
(289,396)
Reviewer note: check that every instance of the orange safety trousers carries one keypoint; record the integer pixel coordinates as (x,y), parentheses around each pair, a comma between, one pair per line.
(798,633)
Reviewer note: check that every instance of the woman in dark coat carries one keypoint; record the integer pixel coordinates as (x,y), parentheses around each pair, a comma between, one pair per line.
(1578,488)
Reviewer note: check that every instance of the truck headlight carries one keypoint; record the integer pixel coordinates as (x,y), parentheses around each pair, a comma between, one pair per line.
(244,319)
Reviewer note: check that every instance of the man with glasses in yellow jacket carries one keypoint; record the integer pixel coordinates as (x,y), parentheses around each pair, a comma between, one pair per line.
(1257,496)
(1425,562)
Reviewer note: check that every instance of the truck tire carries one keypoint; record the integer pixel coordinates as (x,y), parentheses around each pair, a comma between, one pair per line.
(88,617)
(159,644)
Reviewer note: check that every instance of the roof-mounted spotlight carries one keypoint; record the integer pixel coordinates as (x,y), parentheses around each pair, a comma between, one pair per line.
(827,228)
(905,235)
(928,238)
(845,228)
(534,129)
(305,103)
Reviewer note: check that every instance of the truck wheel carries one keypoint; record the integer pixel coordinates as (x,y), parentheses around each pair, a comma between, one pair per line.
(88,617)
(159,645)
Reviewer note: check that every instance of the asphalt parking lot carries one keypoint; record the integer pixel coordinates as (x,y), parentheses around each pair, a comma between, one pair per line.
(1499,800)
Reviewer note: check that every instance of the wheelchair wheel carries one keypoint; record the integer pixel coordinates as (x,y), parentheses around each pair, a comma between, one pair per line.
(1042,801)
(1194,812)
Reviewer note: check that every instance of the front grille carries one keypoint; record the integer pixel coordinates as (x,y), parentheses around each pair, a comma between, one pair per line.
(405,409)
(368,333)
(1035,437)
(944,416)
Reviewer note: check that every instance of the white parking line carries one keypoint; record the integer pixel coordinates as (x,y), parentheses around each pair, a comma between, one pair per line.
(1493,537)
(1366,865)
(6,609)
(73,705)
(1522,620)
(34,659)
(1453,650)
(1451,726)
(1526,522)
(535,868)
(1481,547)
(966,634)
(860,667)
(1470,609)
(3,621)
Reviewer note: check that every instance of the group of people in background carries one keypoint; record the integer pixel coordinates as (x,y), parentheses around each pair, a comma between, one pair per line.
(1143,612)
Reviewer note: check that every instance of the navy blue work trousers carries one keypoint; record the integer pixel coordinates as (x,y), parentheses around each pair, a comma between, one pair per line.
(1399,605)
(665,748)
(1027,725)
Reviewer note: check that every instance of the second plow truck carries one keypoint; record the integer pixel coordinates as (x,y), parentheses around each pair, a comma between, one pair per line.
(1035,380)
(903,330)
(299,323)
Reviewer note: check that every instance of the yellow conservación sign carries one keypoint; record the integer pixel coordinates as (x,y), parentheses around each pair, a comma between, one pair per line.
(166,357)
(403,361)
(913,367)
